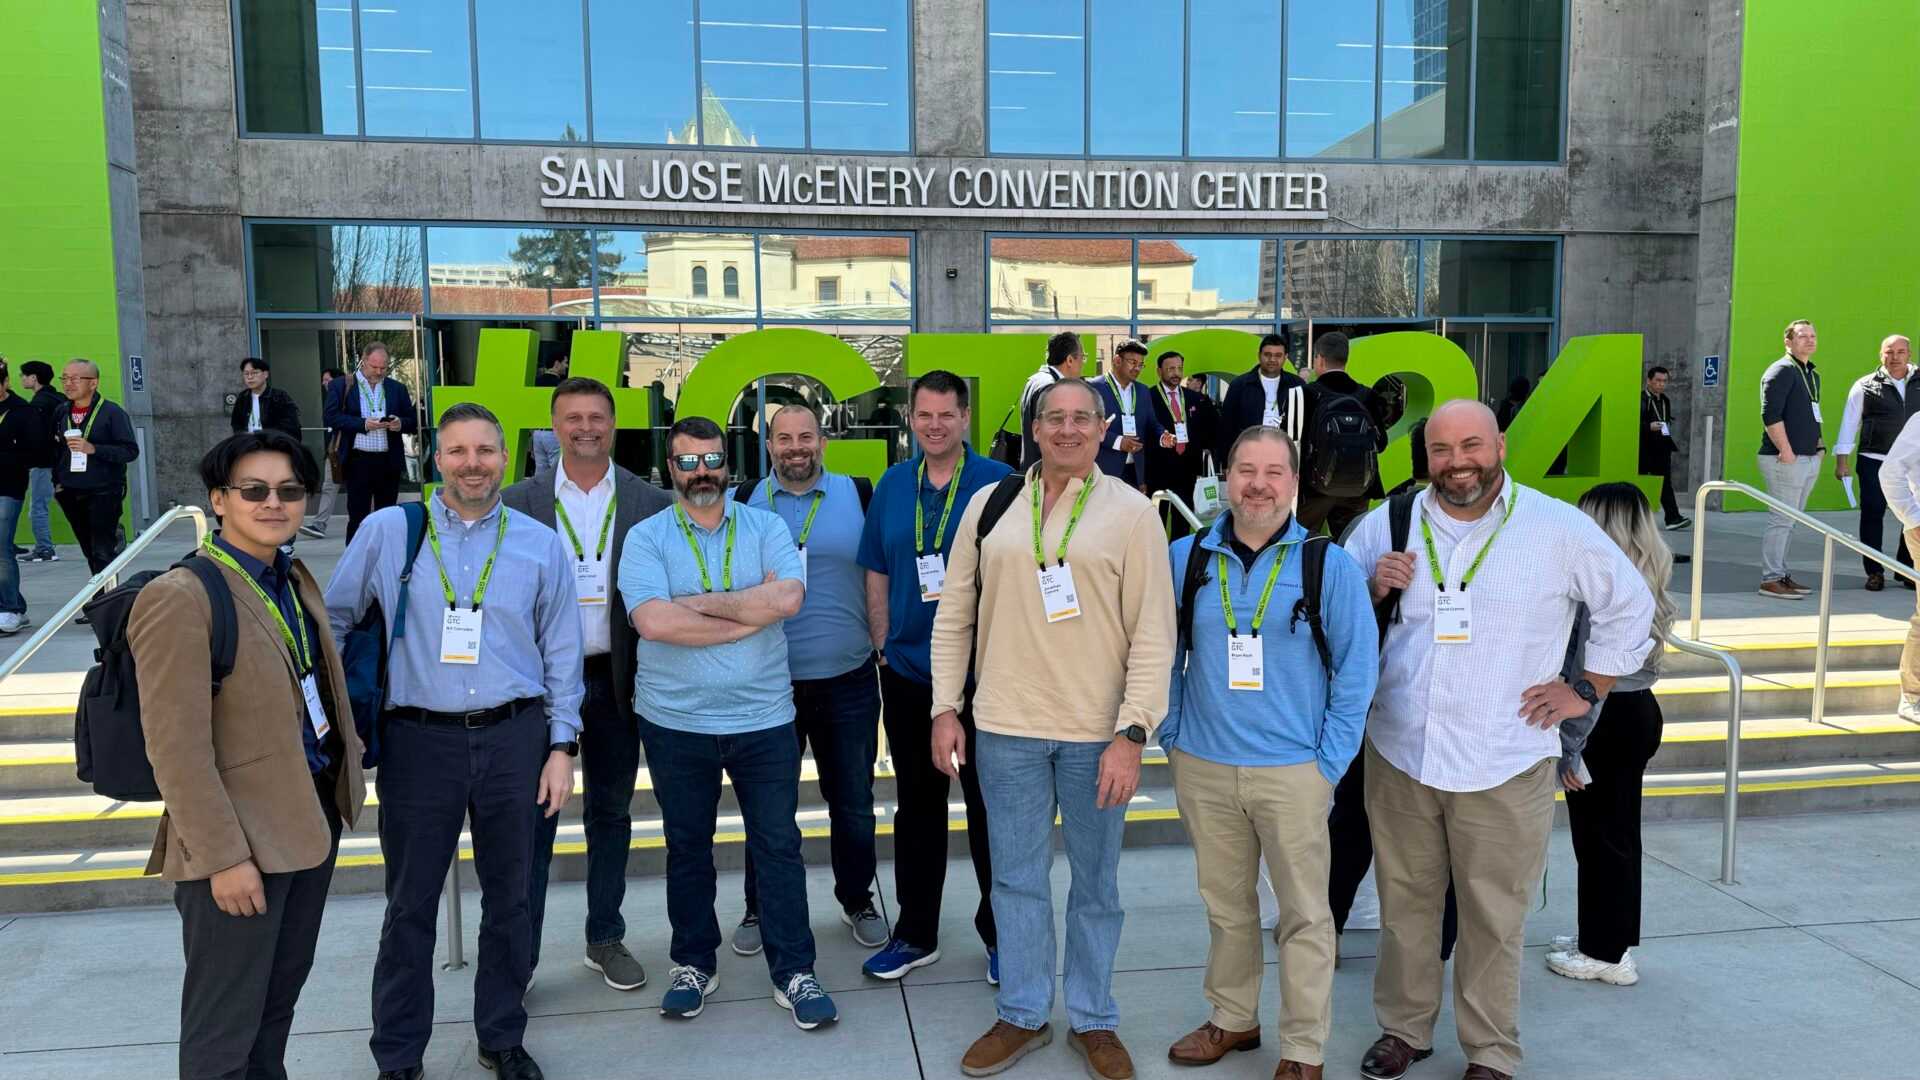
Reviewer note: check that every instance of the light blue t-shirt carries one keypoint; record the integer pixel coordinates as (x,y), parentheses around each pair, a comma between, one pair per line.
(727,689)
(829,637)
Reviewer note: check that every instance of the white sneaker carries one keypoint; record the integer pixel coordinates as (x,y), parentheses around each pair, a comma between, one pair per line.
(11,623)
(1578,965)
(1909,710)
(1564,943)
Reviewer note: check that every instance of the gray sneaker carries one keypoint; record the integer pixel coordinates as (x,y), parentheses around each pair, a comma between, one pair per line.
(869,929)
(617,966)
(746,936)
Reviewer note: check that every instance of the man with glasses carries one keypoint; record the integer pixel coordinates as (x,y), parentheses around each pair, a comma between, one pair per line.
(708,587)
(1133,425)
(482,723)
(90,464)
(371,412)
(23,445)
(1267,396)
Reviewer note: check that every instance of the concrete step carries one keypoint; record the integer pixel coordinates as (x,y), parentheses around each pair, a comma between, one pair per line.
(1702,744)
(1790,653)
(1782,695)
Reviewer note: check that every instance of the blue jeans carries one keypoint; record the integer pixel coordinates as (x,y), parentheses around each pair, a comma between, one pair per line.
(1023,782)
(764,767)
(841,717)
(40,488)
(10,600)
(609,761)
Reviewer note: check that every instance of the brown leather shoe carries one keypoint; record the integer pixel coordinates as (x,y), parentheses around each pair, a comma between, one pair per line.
(1001,1046)
(1297,1070)
(1207,1044)
(1484,1072)
(1390,1057)
(1106,1058)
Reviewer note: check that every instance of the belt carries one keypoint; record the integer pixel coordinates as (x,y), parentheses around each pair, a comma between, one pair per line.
(600,663)
(478,718)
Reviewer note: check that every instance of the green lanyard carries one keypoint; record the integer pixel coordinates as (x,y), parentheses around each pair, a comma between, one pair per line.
(486,572)
(1266,594)
(1433,560)
(1126,403)
(300,647)
(806,528)
(1073,520)
(919,510)
(1176,404)
(726,570)
(86,425)
(367,401)
(606,528)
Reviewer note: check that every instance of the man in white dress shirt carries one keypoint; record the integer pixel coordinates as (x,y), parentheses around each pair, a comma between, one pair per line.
(1878,407)
(1900,483)
(1460,740)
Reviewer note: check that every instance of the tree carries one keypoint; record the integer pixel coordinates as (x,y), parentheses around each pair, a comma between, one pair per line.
(562,258)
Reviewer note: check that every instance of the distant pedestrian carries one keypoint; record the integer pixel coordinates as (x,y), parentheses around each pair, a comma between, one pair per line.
(371,412)
(23,444)
(1267,396)
(90,465)
(1878,407)
(38,385)
(1790,451)
(1066,359)
(330,470)
(1657,445)
(1518,391)
(260,406)
(1341,442)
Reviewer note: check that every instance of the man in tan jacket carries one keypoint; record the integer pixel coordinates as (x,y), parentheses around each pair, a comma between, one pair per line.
(258,779)
(1071,602)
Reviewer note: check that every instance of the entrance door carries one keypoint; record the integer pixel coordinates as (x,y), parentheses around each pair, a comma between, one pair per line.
(1504,355)
(301,349)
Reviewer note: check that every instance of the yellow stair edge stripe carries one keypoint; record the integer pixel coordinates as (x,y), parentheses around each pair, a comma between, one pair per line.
(1763,646)
(1900,728)
(1756,684)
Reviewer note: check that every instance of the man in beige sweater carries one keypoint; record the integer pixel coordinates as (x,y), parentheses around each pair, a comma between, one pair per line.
(1070,601)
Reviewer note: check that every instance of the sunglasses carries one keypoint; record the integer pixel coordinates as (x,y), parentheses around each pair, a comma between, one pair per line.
(715,459)
(256,493)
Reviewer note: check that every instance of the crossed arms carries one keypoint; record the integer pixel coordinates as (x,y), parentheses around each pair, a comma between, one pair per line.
(719,617)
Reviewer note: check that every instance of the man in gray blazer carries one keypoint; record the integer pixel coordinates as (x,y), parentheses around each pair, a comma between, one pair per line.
(591,503)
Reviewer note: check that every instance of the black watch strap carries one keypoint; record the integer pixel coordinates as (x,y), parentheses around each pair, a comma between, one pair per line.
(1586,691)
(571,749)
(1135,733)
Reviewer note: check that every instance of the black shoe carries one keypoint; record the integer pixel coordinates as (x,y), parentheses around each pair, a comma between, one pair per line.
(513,1063)
(415,1073)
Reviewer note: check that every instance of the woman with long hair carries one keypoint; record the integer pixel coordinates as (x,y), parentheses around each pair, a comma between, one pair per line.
(1605,759)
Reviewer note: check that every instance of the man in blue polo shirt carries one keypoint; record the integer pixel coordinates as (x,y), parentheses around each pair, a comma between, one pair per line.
(836,698)
(707,587)
(909,534)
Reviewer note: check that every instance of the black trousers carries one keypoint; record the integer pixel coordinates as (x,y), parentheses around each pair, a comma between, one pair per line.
(1351,839)
(920,825)
(609,765)
(373,483)
(1669,505)
(1335,512)
(1605,822)
(1873,517)
(95,517)
(244,973)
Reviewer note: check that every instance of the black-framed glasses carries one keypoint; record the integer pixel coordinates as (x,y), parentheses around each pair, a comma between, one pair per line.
(256,493)
(713,459)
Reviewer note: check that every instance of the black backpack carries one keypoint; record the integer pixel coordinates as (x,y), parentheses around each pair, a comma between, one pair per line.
(363,652)
(1341,447)
(1400,525)
(1313,571)
(744,493)
(109,743)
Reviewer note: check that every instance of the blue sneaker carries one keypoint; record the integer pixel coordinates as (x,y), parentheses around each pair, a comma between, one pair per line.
(897,959)
(809,1004)
(993,967)
(687,991)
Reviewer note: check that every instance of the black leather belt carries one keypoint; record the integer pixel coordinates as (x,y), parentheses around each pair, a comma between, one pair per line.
(601,663)
(478,718)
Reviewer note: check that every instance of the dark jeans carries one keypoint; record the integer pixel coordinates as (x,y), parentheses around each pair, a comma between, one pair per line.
(1349,836)
(1605,822)
(1335,512)
(920,825)
(373,483)
(94,514)
(1873,517)
(841,717)
(764,767)
(245,973)
(433,778)
(609,761)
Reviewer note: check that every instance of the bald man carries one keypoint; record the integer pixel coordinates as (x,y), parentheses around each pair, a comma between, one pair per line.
(1878,406)
(1460,741)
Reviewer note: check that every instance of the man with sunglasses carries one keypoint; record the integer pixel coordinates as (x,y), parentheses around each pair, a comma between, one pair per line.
(96,445)
(708,587)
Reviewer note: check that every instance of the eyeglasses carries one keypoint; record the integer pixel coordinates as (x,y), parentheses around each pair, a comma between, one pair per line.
(715,459)
(1056,418)
(79,378)
(255,493)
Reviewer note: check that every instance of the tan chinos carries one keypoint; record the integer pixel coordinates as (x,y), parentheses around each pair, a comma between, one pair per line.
(1494,843)
(1233,815)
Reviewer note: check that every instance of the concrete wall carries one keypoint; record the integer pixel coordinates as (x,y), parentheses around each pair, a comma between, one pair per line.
(1713,272)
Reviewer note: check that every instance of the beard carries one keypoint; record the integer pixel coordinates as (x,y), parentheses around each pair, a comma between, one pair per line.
(700,491)
(1476,489)
(457,494)
(800,471)
(1262,519)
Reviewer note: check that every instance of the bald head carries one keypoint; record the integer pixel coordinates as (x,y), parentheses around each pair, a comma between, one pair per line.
(1454,418)
(1465,456)
(1896,355)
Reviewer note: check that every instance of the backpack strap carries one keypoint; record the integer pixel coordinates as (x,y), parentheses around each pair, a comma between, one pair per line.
(223,635)
(863,487)
(1007,490)
(1313,571)
(744,493)
(1400,528)
(1190,582)
(416,535)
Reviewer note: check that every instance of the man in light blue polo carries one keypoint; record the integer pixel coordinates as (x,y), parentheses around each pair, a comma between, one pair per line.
(707,587)
(836,695)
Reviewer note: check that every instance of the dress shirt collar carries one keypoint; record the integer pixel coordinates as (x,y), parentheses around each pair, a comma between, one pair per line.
(270,577)
(727,505)
(563,483)
(450,518)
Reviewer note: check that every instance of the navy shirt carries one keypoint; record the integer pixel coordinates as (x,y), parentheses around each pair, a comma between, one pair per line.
(275,580)
(886,547)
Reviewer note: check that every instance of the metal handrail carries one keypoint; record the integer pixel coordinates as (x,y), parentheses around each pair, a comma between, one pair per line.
(1730,813)
(105,579)
(1180,504)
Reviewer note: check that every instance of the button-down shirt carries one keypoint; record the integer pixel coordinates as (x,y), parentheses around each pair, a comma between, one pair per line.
(586,510)
(1448,715)
(725,689)
(830,636)
(1900,476)
(275,580)
(373,406)
(1849,436)
(530,626)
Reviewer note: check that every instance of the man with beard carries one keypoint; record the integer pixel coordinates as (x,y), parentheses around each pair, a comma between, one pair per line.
(1193,421)
(708,587)
(482,722)
(836,695)
(592,503)
(1460,749)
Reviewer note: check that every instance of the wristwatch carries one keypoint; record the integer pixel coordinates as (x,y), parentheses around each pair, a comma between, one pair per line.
(1135,733)
(571,749)
(1586,691)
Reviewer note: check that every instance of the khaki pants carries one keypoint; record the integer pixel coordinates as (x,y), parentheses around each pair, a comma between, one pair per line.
(1910,656)
(1233,815)
(1494,843)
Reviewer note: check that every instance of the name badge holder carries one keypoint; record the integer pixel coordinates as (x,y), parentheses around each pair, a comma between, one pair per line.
(589,582)
(1245,669)
(1270,418)
(1180,432)
(316,712)
(1452,610)
(1058,597)
(930,567)
(1663,428)
(932,571)
(460,630)
(589,575)
(1057,594)
(1129,425)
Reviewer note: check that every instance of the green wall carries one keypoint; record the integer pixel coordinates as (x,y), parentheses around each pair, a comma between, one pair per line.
(1827,217)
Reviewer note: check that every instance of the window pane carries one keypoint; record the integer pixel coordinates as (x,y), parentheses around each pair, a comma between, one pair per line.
(1517,104)
(642,71)
(414,55)
(750,68)
(1368,279)
(1206,279)
(1136,103)
(1234,94)
(326,268)
(1423,87)
(533,81)
(1097,341)
(679,275)
(298,66)
(514,271)
(1489,277)
(836,277)
(857,57)
(1036,76)
(1330,68)
(1081,278)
